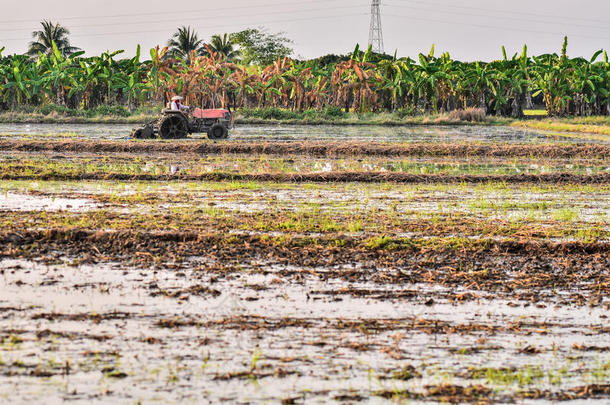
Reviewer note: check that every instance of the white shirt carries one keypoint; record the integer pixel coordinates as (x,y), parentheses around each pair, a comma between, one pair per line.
(174,106)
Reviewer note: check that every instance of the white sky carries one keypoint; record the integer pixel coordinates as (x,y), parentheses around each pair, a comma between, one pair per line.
(468,29)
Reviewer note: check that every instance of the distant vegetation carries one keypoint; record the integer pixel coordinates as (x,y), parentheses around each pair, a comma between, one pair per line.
(44,38)
(252,69)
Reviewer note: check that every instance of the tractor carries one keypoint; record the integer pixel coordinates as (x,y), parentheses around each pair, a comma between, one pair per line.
(174,124)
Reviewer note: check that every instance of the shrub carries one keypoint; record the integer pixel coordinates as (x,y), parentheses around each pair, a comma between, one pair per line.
(279,114)
(407,111)
(333,112)
(311,114)
(48,109)
(113,110)
(147,110)
(469,114)
(270,113)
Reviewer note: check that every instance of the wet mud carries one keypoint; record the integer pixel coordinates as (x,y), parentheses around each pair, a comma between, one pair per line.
(327,149)
(30,173)
(289,133)
(121,282)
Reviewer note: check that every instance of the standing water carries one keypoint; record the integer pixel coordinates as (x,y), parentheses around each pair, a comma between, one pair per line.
(413,133)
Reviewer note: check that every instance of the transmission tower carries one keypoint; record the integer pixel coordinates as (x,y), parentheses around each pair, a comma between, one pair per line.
(375,33)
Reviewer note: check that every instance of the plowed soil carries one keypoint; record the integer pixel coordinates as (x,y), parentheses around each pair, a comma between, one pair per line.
(201,272)
(315,148)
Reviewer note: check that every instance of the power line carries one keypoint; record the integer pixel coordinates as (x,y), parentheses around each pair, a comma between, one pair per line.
(207,26)
(494,27)
(200,10)
(198,18)
(501,17)
(570,18)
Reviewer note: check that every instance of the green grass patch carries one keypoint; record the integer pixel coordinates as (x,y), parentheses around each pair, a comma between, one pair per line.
(576,125)
(535,113)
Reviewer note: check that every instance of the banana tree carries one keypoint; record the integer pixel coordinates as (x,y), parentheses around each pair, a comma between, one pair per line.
(355,83)
(15,86)
(575,86)
(477,84)
(398,79)
(430,81)
(61,73)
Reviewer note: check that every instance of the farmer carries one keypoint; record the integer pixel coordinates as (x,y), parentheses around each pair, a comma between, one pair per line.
(176,104)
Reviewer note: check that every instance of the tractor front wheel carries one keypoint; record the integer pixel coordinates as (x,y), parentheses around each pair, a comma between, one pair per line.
(173,127)
(218,131)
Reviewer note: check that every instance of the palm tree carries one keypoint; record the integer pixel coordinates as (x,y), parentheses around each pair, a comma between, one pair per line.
(43,40)
(224,46)
(183,42)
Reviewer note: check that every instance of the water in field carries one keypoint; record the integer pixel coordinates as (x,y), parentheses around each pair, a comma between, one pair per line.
(186,291)
(318,132)
(23,202)
(117,334)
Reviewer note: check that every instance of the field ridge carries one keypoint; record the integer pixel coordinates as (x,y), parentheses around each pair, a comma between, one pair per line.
(30,173)
(329,148)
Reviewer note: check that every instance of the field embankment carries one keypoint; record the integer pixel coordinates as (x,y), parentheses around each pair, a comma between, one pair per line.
(593,125)
(332,149)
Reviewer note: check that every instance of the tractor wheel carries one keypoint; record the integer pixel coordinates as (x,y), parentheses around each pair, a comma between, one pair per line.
(173,127)
(218,131)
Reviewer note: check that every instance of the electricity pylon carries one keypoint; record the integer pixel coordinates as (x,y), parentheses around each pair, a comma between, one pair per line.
(375,33)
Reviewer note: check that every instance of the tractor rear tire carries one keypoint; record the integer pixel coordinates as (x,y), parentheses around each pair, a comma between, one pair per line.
(173,126)
(218,131)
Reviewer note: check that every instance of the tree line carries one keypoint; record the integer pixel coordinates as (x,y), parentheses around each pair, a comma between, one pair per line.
(253,69)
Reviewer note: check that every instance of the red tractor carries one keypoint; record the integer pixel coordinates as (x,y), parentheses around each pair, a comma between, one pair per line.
(175,124)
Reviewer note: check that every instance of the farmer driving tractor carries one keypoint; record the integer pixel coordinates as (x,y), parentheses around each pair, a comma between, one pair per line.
(178,121)
(176,104)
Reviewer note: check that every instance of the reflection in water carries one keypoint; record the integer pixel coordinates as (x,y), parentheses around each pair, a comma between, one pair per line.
(316,132)
(22,202)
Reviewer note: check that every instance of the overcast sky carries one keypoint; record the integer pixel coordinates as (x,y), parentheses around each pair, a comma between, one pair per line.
(468,29)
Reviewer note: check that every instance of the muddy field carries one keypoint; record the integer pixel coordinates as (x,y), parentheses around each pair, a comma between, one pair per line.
(288,133)
(385,265)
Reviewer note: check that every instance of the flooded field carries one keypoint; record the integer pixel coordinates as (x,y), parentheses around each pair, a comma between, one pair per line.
(427,133)
(307,265)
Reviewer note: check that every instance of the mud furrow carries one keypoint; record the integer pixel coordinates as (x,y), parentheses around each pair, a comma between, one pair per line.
(330,149)
(29,173)
(127,239)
